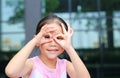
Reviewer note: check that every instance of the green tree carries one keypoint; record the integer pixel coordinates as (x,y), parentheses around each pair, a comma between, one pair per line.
(51,5)
(18,5)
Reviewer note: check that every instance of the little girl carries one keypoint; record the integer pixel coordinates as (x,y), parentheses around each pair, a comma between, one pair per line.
(53,36)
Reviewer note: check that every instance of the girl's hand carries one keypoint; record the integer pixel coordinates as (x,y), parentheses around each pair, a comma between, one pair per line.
(44,36)
(64,40)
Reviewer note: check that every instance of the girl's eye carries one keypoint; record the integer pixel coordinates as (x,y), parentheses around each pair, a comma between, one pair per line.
(60,38)
(47,36)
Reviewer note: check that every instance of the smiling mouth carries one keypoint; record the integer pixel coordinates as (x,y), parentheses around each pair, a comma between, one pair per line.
(52,50)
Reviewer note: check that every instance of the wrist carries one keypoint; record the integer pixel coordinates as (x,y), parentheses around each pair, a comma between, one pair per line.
(35,40)
(69,49)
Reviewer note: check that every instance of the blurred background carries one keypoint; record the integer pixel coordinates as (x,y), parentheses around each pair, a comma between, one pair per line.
(96,25)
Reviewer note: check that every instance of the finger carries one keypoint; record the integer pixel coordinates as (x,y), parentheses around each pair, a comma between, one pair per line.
(43,41)
(47,35)
(47,29)
(46,38)
(51,29)
(63,28)
(44,27)
(42,31)
(69,28)
(56,33)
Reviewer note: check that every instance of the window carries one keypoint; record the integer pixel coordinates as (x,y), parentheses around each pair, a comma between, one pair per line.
(86,28)
(92,24)
(116,23)
(12,25)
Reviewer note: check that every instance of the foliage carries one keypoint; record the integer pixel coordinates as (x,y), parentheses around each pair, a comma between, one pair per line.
(18,6)
(51,5)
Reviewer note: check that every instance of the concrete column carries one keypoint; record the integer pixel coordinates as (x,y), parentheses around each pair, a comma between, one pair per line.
(32,16)
(0,27)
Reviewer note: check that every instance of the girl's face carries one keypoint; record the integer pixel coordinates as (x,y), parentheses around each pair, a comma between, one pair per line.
(51,49)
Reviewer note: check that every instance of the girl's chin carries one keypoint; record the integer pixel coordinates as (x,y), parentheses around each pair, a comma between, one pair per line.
(52,56)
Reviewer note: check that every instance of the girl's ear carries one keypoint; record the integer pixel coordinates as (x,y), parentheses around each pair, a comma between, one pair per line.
(37,44)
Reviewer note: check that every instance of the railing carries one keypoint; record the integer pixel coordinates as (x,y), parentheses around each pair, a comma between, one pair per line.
(91,57)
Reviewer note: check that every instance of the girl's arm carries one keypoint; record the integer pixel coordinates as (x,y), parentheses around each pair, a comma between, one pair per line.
(19,63)
(76,68)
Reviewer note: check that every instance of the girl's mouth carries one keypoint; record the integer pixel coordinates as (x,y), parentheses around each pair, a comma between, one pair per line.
(52,50)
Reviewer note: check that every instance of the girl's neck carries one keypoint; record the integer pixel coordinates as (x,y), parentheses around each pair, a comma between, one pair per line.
(51,63)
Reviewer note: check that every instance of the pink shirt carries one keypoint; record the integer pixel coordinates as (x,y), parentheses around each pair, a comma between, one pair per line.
(40,70)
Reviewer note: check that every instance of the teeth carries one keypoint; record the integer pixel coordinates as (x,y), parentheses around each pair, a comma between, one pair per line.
(52,49)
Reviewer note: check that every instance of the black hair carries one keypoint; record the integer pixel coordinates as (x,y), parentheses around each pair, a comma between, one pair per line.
(49,19)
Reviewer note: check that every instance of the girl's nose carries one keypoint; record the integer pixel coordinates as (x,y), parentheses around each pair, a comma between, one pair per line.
(53,43)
